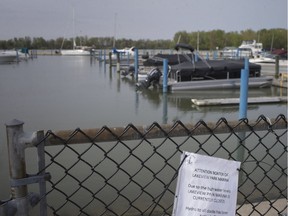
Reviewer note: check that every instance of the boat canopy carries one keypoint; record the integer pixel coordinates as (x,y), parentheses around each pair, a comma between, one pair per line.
(184,46)
(213,68)
(157,60)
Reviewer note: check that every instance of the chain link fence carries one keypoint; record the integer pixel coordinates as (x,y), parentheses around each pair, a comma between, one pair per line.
(133,170)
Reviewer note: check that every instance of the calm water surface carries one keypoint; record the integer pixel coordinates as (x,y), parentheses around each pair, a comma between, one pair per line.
(57,92)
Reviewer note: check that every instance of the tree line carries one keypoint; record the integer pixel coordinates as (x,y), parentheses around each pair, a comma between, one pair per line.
(204,40)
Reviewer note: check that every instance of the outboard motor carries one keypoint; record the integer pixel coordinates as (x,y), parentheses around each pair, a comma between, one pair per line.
(152,77)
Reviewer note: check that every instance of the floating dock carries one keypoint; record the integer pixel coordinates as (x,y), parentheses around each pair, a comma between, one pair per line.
(236,101)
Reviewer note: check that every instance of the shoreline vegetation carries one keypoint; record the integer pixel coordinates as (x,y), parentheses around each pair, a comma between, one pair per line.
(204,40)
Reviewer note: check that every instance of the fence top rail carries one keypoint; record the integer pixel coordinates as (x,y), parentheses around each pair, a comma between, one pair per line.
(155,130)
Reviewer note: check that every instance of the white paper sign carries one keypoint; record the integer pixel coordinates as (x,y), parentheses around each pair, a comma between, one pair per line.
(206,186)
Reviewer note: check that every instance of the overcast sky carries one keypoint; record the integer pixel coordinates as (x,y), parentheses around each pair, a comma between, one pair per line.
(135,19)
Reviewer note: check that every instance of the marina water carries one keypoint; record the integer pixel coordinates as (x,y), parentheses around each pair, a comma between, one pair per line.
(64,92)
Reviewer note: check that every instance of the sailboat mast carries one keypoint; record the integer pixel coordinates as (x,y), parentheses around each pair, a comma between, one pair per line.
(74,43)
(198,41)
(271,48)
(114,38)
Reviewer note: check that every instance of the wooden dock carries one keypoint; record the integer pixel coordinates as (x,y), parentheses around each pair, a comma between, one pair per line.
(236,101)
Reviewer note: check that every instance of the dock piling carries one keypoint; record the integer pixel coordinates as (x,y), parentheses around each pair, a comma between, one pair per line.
(136,64)
(165,75)
(277,67)
(244,90)
(110,59)
(118,62)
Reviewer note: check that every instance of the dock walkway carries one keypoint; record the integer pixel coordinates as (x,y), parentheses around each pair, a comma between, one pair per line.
(236,101)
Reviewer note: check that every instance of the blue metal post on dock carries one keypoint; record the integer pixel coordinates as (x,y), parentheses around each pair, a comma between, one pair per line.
(165,108)
(136,64)
(165,87)
(244,90)
(243,110)
(165,75)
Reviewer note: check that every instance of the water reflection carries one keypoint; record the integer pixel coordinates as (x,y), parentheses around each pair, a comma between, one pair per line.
(181,101)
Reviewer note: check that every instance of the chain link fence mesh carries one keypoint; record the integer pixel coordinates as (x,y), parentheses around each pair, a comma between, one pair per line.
(134,171)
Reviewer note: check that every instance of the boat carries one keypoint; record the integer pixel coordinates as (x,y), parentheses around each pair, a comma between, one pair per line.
(207,74)
(76,51)
(124,55)
(173,59)
(8,56)
(270,58)
(127,52)
(263,59)
(248,48)
(124,52)
(229,52)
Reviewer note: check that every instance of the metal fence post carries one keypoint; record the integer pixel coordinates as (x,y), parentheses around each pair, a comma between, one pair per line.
(17,166)
(41,169)
(21,200)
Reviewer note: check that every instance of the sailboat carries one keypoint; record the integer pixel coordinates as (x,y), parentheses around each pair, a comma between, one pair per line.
(76,50)
(124,53)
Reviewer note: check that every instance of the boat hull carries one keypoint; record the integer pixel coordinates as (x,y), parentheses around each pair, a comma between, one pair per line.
(75,52)
(7,57)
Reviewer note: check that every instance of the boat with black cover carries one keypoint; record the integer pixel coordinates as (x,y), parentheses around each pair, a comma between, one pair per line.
(173,59)
(208,74)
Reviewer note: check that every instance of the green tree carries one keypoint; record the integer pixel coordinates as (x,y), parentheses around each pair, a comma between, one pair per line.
(271,38)
(39,43)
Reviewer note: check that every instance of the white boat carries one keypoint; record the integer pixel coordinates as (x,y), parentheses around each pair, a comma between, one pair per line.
(126,55)
(254,51)
(262,59)
(265,59)
(229,52)
(76,51)
(8,56)
(248,48)
(124,52)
